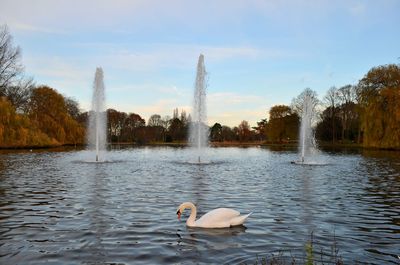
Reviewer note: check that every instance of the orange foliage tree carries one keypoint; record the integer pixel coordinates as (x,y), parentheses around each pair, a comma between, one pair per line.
(283,123)
(48,111)
(379,102)
(16,130)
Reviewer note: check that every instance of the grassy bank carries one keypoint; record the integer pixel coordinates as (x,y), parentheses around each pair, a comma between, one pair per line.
(273,145)
(313,254)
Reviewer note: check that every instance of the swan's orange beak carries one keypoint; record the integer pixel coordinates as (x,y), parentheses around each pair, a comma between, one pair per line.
(179,215)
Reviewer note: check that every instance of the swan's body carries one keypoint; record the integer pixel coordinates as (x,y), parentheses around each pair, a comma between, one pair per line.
(218,218)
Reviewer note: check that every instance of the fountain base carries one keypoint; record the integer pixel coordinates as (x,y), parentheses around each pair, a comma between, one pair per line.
(302,163)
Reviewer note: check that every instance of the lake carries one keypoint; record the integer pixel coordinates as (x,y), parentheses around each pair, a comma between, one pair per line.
(57,207)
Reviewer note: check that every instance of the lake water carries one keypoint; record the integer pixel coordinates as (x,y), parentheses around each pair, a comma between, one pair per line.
(55,207)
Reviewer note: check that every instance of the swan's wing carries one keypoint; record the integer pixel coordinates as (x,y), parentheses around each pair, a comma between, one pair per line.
(239,220)
(217,218)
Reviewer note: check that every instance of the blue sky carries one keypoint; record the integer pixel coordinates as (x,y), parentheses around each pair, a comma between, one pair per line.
(257,53)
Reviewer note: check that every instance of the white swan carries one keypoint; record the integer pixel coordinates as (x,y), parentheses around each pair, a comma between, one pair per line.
(218,218)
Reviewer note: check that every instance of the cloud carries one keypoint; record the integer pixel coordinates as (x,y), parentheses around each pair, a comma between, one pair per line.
(31,28)
(230,108)
(153,88)
(56,67)
(177,56)
(123,14)
(130,17)
(68,75)
(232,98)
(234,117)
(163,107)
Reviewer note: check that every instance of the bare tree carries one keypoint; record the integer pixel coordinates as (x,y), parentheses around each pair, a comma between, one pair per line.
(184,118)
(298,102)
(347,97)
(332,101)
(19,93)
(155,120)
(176,114)
(10,63)
(244,131)
(72,107)
(13,85)
(166,120)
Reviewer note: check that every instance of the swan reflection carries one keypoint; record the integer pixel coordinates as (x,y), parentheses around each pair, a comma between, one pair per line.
(225,232)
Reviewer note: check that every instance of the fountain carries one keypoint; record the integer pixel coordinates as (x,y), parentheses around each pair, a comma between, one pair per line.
(198,135)
(97,117)
(307,143)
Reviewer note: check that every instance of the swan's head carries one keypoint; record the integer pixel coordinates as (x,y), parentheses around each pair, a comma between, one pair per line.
(182,207)
(180,210)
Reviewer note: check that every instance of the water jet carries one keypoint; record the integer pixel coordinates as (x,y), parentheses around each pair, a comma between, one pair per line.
(307,143)
(97,117)
(198,135)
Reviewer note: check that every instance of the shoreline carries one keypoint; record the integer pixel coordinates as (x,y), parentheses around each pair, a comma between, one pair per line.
(321,145)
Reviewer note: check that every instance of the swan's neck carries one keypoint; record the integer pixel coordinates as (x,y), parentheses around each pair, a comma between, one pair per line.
(191,221)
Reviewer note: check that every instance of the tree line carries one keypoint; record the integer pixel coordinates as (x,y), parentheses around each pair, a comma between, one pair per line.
(366,113)
(131,127)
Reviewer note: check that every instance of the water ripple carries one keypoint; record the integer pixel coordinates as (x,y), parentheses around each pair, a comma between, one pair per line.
(55,208)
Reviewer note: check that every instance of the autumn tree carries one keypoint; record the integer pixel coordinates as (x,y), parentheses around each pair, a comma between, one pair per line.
(48,110)
(17,130)
(283,123)
(276,125)
(132,122)
(378,94)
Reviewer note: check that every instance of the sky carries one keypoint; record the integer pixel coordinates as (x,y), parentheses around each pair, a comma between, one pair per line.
(257,53)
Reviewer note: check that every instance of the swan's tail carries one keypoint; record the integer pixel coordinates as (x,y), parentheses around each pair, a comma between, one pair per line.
(239,220)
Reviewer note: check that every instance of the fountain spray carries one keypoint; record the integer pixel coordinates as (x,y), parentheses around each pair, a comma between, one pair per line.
(198,136)
(97,116)
(307,140)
